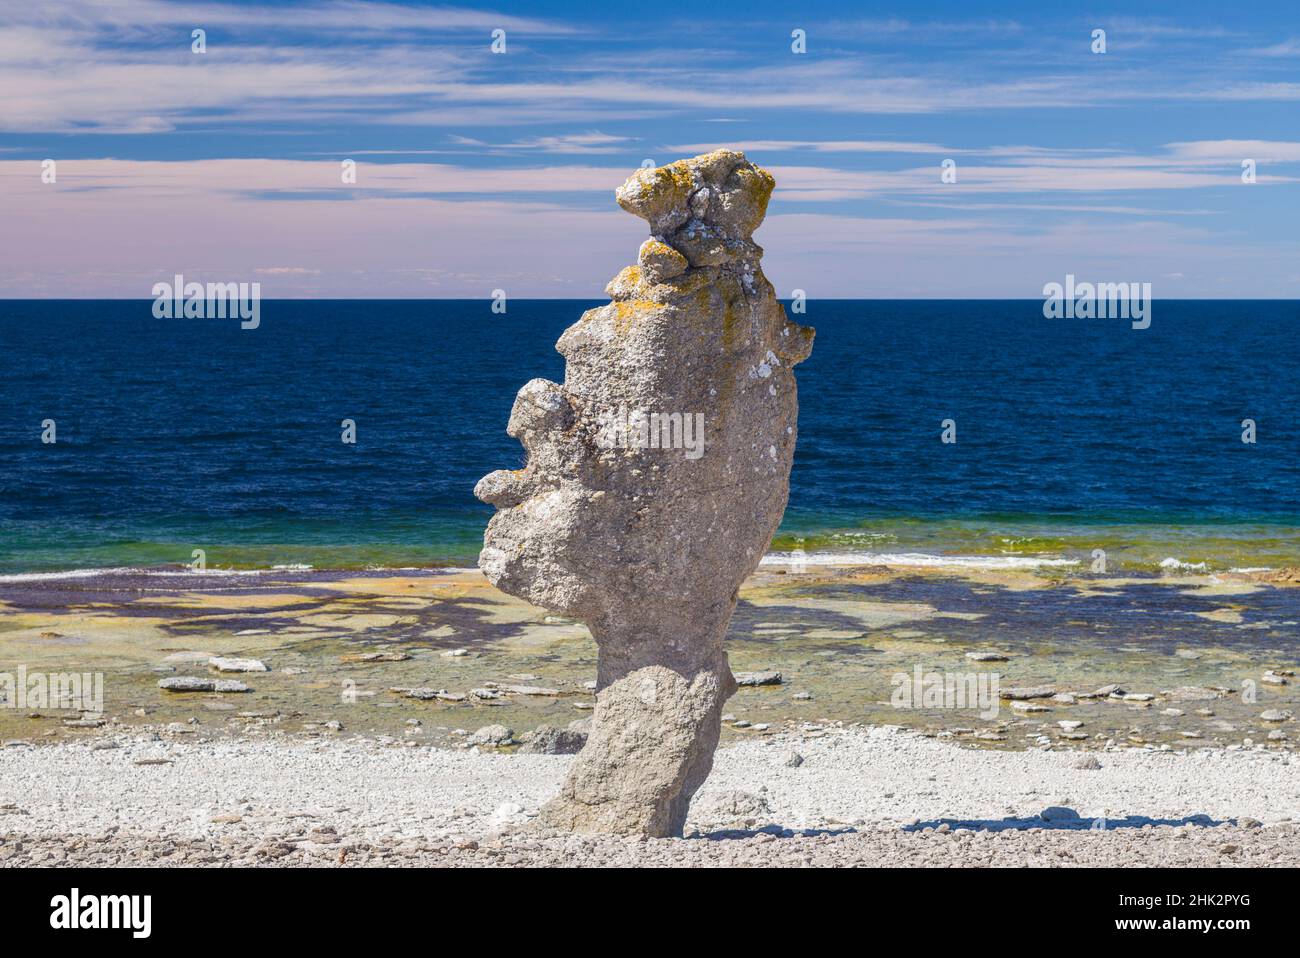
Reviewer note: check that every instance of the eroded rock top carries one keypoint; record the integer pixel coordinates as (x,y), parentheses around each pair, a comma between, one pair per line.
(705,208)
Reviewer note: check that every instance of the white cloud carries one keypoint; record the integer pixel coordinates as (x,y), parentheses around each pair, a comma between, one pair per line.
(817,146)
(1287,48)
(568,143)
(210,219)
(349,15)
(126,66)
(1215,152)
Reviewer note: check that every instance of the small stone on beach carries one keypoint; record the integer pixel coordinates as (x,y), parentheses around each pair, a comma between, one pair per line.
(1021,706)
(222,664)
(189,683)
(495,735)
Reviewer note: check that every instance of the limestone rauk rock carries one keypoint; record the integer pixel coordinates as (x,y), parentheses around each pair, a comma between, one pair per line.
(656,476)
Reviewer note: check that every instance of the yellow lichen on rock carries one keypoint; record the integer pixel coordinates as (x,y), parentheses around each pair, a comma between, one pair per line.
(628,311)
(659,261)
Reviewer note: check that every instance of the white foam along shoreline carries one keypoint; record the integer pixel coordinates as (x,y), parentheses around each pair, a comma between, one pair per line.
(68,574)
(781,559)
(128,570)
(913,559)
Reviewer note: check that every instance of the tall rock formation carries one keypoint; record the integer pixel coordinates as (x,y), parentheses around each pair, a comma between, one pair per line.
(656,477)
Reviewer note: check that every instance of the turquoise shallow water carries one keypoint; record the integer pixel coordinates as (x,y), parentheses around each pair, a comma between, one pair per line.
(1072,436)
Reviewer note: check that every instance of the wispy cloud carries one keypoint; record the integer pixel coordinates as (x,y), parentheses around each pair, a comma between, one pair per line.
(569,143)
(470,160)
(817,146)
(352,16)
(919,30)
(126,67)
(1287,48)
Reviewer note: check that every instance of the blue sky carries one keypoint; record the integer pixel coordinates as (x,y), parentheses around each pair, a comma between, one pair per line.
(479,171)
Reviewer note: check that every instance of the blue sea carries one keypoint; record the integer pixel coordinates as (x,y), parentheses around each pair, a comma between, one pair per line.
(1072,435)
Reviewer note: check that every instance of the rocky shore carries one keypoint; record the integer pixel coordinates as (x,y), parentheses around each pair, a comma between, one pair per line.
(836,795)
(423,717)
(432,656)
(1224,846)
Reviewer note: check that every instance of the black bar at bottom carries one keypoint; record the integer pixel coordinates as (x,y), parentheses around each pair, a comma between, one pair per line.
(337,907)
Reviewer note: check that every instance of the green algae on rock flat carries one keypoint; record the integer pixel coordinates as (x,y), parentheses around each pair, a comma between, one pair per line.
(837,636)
